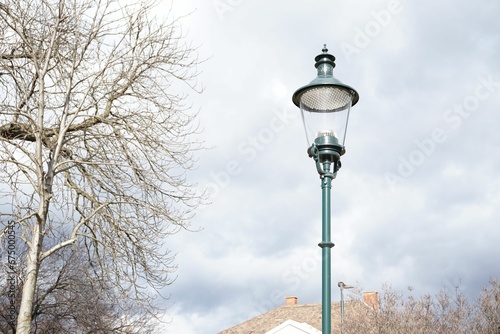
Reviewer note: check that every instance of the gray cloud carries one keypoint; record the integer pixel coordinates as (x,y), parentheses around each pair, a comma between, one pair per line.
(433,228)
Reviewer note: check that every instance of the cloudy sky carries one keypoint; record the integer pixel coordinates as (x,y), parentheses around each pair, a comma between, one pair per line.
(417,201)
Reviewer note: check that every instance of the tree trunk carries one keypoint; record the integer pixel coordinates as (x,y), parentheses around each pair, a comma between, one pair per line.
(29,287)
(33,258)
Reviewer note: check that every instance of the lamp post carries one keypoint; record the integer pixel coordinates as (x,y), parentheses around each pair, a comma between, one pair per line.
(342,286)
(325,104)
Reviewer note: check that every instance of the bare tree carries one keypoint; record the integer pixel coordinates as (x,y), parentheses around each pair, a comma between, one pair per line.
(95,138)
(487,309)
(72,298)
(448,312)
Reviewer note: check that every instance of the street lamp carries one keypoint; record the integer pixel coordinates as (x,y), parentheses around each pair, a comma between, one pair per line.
(325,104)
(342,286)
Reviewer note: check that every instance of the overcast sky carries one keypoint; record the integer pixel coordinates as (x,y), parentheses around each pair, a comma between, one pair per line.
(417,201)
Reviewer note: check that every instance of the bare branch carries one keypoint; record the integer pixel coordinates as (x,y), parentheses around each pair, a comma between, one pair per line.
(96,139)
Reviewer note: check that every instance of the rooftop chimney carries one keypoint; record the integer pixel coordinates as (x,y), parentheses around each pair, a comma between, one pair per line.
(371,299)
(291,300)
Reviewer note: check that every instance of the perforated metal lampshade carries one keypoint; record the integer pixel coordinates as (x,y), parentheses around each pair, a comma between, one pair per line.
(325,102)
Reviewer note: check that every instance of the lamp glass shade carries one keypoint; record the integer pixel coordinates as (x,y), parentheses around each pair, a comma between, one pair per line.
(325,111)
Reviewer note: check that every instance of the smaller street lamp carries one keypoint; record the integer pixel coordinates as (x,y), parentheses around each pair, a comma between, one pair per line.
(325,104)
(342,286)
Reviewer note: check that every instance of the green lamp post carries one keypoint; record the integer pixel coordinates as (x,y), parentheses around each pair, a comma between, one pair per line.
(325,104)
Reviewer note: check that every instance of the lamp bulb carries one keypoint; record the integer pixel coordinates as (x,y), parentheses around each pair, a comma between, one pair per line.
(326,133)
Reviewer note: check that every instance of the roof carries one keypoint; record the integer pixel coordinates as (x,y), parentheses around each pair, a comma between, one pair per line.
(302,313)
